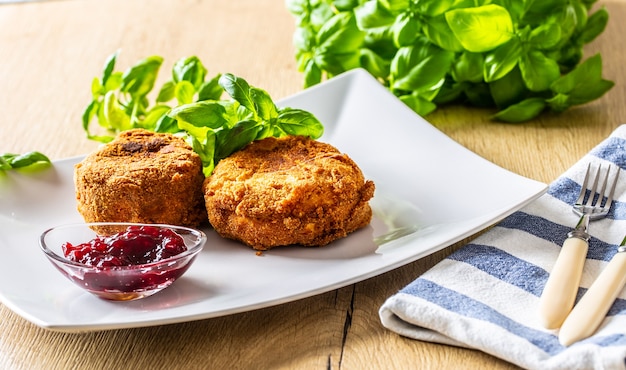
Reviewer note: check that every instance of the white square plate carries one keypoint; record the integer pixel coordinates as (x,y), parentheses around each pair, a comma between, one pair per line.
(430,193)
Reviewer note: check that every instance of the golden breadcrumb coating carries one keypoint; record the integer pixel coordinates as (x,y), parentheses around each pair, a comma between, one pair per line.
(292,190)
(141,176)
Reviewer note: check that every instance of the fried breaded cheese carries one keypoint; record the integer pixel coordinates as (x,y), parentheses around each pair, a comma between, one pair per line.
(286,191)
(141,176)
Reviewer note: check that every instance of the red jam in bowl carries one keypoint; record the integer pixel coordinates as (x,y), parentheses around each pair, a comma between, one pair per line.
(130,264)
(138,245)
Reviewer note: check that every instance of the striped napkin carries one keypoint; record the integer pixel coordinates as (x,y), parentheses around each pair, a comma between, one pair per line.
(485,295)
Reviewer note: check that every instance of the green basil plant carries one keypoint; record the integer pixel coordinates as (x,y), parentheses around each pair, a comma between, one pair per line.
(190,105)
(523,57)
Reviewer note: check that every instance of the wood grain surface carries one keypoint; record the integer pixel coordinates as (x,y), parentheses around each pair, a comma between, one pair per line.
(51,50)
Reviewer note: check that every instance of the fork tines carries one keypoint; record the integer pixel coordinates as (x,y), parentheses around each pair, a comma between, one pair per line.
(591,200)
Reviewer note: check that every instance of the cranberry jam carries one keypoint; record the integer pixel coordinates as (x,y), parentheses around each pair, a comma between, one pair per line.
(137,245)
(122,261)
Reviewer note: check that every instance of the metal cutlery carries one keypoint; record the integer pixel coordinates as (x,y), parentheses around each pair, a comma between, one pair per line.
(559,293)
(587,315)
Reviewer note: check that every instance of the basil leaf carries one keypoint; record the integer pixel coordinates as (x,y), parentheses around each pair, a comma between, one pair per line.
(96,88)
(583,93)
(238,89)
(89,113)
(236,112)
(450,91)
(344,5)
(139,80)
(202,142)
(200,114)
(380,41)
(405,30)
(481,28)
(589,70)
(337,44)
(4,165)
(312,74)
(407,56)
(113,82)
(231,140)
(310,13)
(580,11)
(420,105)
(153,116)
(567,20)
(395,6)
(538,6)
(299,123)
(374,63)
(427,74)
(568,56)
(340,34)
(538,71)
(298,8)
(184,92)
(167,92)
(264,105)
(592,91)
(114,114)
(439,33)
(373,14)
(166,124)
(304,40)
(28,159)
(109,66)
(502,60)
(509,89)
(420,68)
(468,67)
(545,36)
(211,90)
(189,69)
(336,63)
(559,102)
(31,161)
(8,157)
(536,11)
(433,8)
(595,25)
(522,111)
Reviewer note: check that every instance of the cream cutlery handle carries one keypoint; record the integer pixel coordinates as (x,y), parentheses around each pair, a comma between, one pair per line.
(586,317)
(559,294)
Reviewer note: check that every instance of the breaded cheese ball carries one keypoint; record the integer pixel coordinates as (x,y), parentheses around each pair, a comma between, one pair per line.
(286,191)
(141,176)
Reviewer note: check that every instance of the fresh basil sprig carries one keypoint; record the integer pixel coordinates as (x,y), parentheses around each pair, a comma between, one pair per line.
(191,105)
(521,57)
(28,161)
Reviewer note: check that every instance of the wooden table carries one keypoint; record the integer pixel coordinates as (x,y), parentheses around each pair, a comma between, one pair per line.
(51,50)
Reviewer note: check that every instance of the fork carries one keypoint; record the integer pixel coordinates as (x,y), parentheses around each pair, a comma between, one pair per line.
(588,314)
(559,293)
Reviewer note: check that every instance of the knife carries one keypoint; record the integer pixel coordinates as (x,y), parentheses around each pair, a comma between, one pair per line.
(592,308)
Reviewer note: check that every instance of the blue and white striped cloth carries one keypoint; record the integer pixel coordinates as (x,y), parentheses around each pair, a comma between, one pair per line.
(485,295)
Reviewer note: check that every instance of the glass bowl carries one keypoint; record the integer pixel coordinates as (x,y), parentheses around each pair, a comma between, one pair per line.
(119,283)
